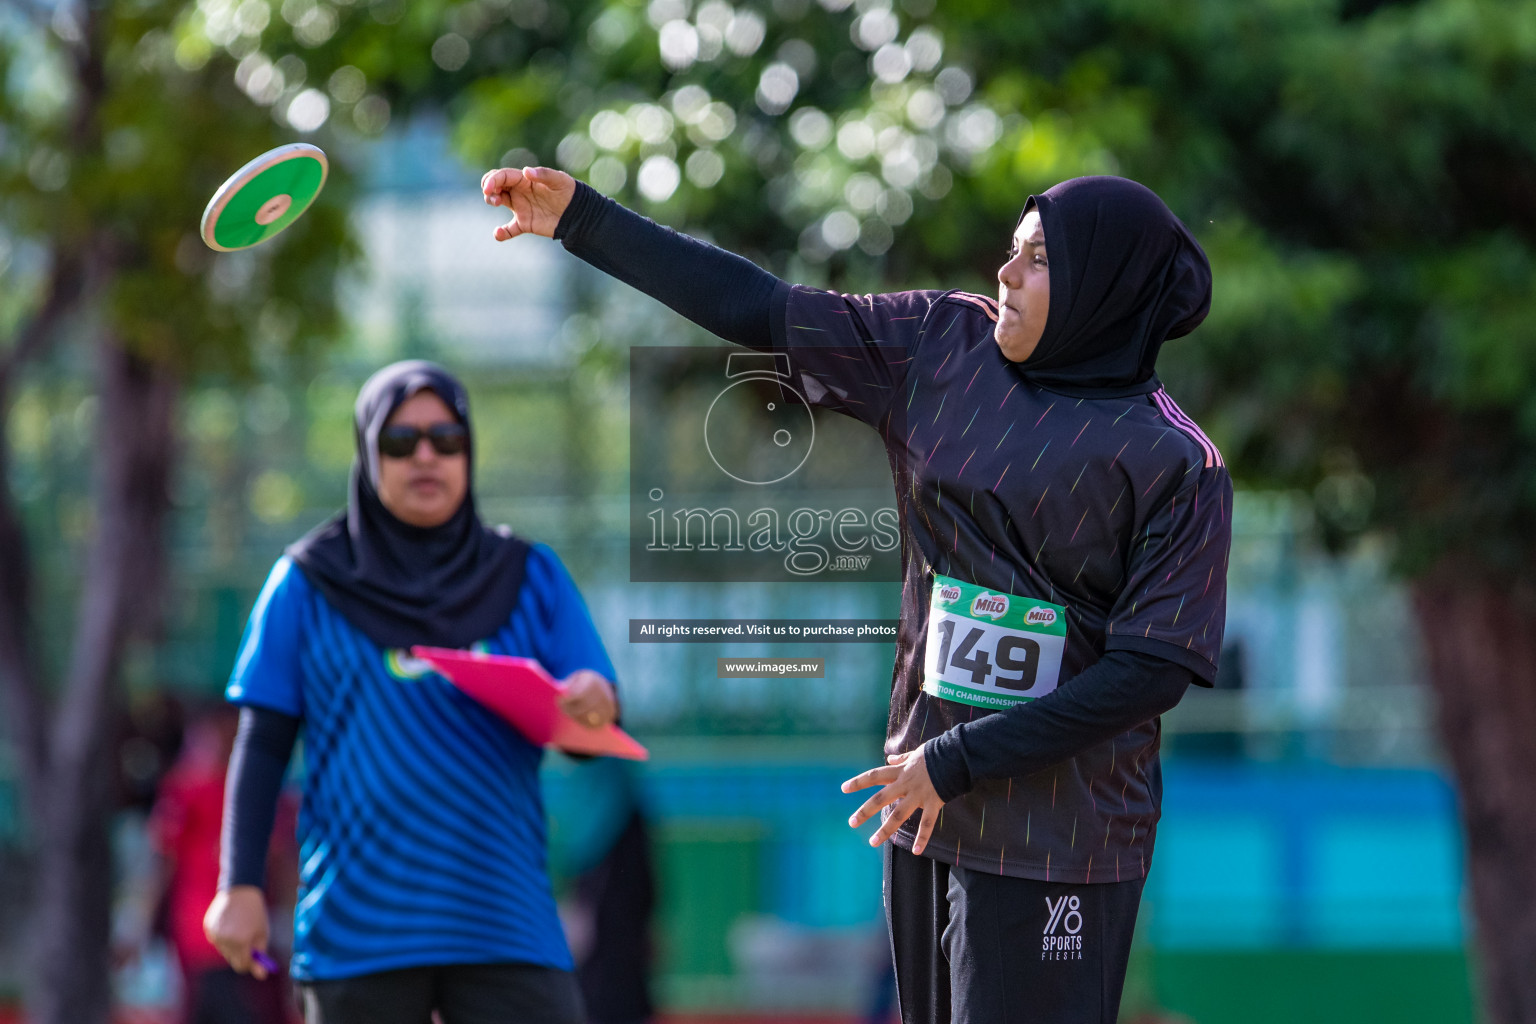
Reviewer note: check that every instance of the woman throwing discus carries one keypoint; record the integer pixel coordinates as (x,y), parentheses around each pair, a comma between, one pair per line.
(1065,530)
(423,893)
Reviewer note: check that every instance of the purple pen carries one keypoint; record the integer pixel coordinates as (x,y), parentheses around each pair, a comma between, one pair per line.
(265,961)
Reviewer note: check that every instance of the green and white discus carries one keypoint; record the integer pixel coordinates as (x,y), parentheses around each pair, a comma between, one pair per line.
(264,197)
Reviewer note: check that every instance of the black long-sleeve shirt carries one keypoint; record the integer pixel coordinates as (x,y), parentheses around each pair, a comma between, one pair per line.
(257,765)
(739,301)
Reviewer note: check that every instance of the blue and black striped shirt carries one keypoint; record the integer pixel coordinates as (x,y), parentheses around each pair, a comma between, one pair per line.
(421,831)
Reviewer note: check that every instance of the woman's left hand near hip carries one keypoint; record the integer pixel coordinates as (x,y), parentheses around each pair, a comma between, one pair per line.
(907,790)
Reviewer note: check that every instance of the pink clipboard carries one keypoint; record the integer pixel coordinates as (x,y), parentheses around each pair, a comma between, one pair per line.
(522,693)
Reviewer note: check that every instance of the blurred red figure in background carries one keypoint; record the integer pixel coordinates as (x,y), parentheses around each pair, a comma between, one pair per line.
(184,827)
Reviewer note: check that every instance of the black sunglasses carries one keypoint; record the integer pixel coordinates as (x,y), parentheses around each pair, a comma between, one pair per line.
(399,442)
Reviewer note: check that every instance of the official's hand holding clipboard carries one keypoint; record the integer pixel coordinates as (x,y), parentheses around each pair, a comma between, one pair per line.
(523,694)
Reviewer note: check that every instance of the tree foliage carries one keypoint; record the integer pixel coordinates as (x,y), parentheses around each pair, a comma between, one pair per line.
(1360,174)
(114,142)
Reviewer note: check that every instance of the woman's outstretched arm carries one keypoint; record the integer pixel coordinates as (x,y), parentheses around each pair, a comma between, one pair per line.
(725,294)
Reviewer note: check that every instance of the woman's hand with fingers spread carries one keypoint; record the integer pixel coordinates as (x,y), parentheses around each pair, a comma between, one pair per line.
(537,196)
(906,790)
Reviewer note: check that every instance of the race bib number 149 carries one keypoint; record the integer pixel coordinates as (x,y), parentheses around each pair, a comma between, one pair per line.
(991,649)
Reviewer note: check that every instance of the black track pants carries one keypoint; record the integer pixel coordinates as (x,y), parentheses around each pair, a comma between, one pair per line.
(975,948)
(461,994)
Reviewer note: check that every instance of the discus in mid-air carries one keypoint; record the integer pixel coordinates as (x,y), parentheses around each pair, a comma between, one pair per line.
(264,197)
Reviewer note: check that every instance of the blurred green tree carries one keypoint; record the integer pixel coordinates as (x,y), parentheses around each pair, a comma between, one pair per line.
(112,135)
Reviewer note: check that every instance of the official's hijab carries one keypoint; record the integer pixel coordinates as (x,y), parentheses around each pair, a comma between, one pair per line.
(444,586)
(1126,276)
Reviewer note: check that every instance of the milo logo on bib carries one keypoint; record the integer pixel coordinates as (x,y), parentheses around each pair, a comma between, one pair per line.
(991,650)
(993,606)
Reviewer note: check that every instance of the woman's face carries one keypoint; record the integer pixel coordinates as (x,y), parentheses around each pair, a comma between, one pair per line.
(1024,291)
(423,488)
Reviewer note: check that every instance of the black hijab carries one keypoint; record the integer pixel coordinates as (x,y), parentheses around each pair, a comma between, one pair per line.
(1126,276)
(447,585)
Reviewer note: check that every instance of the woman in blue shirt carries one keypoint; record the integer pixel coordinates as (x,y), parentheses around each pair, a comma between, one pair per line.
(423,883)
